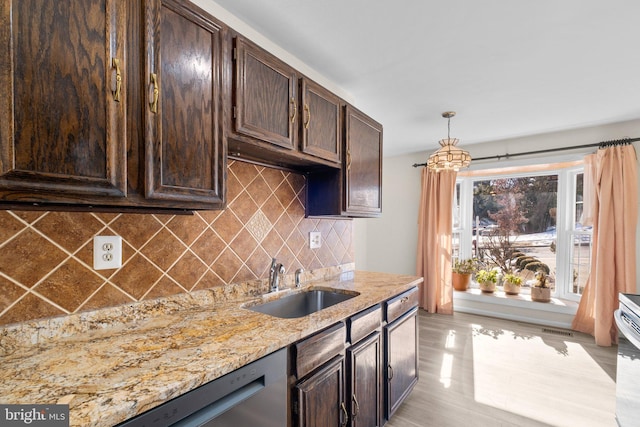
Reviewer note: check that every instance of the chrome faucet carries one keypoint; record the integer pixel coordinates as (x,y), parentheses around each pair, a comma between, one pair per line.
(298,273)
(274,275)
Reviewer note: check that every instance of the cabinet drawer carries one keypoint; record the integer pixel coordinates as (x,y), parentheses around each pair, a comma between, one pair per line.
(397,306)
(363,323)
(319,348)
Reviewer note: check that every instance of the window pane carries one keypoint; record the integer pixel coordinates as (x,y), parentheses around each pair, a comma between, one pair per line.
(514,224)
(581,246)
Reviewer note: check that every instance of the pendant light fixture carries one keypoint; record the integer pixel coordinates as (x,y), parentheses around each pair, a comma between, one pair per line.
(448,156)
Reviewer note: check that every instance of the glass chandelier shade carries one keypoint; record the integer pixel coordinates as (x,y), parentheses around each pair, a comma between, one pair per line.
(449,156)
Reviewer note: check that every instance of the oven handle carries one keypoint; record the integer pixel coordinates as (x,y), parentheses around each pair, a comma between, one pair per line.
(626,330)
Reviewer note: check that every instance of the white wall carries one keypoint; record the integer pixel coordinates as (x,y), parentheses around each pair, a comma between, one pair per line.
(389,243)
(247,31)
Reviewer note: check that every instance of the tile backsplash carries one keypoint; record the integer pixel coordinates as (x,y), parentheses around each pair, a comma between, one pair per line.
(46,258)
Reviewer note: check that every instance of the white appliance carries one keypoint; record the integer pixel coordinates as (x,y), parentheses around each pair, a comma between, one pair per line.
(628,370)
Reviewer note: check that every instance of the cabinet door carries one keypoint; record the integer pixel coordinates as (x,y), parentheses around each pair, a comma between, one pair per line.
(365,373)
(320,398)
(401,342)
(320,122)
(363,164)
(265,96)
(62,106)
(185,152)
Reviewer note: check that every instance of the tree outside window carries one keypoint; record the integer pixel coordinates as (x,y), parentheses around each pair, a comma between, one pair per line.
(514,227)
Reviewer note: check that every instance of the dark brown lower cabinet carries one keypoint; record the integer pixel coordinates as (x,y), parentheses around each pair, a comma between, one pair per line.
(320,397)
(401,360)
(364,370)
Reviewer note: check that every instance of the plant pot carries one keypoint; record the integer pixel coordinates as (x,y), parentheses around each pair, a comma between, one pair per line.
(487,287)
(460,281)
(511,288)
(540,294)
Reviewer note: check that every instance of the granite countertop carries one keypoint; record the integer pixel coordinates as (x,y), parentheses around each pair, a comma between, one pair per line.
(109,370)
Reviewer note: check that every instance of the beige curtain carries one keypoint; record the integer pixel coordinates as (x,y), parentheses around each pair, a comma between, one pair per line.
(614,210)
(434,240)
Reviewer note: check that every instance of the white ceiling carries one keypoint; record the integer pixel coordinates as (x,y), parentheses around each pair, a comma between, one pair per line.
(509,68)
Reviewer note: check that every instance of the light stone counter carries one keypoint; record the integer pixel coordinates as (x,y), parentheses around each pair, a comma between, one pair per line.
(116,363)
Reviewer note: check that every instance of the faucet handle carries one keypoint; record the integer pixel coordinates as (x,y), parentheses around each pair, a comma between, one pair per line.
(298,273)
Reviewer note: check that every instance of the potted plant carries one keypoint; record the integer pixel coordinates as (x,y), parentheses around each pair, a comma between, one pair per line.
(487,280)
(461,273)
(511,284)
(540,291)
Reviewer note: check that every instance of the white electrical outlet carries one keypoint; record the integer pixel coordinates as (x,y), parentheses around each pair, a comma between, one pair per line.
(107,252)
(315,239)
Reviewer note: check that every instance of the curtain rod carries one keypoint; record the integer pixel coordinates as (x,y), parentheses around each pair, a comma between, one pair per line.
(602,144)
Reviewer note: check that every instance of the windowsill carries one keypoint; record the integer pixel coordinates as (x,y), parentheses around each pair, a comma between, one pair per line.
(557,312)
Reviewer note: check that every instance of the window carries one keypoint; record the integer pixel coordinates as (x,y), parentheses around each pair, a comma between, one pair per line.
(525,222)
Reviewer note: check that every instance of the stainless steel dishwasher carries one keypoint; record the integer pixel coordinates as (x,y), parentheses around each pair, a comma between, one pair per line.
(254,395)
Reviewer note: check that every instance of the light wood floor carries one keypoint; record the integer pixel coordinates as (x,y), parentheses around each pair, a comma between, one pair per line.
(478,371)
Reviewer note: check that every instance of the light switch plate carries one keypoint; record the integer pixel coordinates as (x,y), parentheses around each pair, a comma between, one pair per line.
(315,239)
(107,252)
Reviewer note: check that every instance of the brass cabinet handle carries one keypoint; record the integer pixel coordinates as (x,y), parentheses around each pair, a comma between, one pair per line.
(348,160)
(356,407)
(308,119)
(115,63)
(390,373)
(156,93)
(346,415)
(292,102)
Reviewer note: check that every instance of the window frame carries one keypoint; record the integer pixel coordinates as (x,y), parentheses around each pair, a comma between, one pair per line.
(565,220)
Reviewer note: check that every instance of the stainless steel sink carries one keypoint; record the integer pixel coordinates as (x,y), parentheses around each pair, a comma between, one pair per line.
(303,303)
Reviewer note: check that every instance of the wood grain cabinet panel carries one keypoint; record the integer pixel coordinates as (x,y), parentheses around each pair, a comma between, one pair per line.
(266,105)
(62,126)
(363,164)
(320,398)
(185,156)
(364,370)
(401,351)
(321,124)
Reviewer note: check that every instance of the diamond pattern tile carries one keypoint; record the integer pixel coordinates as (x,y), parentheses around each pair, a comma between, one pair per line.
(259,225)
(69,229)
(27,308)
(70,285)
(208,247)
(29,257)
(9,226)
(259,190)
(273,177)
(52,252)
(164,288)
(227,225)
(107,296)
(188,270)
(10,293)
(136,277)
(188,228)
(164,249)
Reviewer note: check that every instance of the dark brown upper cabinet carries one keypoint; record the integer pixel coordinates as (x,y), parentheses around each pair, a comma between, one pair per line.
(279,116)
(112,104)
(355,191)
(62,112)
(185,157)
(266,106)
(321,125)
(363,164)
